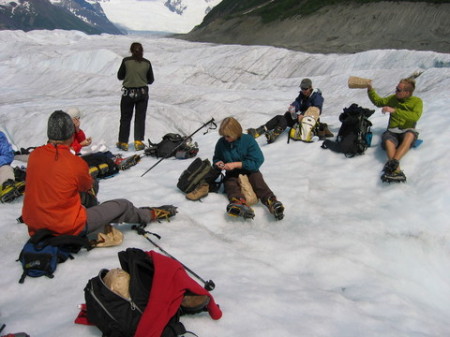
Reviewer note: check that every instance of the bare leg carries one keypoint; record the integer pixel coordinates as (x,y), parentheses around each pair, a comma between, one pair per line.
(404,147)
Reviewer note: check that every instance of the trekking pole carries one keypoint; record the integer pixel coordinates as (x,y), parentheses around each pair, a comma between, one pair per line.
(209,285)
(212,127)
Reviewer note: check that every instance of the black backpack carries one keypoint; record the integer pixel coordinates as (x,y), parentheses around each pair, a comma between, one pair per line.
(172,144)
(354,135)
(44,250)
(101,164)
(199,171)
(117,316)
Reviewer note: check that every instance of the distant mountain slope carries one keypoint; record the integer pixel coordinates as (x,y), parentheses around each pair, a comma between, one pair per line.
(335,27)
(164,16)
(30,15)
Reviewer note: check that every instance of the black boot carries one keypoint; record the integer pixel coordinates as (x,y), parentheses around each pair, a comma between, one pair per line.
(275,207)
(274,134)
(256,132)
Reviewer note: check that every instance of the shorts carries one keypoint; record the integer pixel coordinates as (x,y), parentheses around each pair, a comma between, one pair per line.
(397,138)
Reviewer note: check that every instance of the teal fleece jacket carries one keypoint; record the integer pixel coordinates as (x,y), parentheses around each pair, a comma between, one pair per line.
(407,111)
(244,149)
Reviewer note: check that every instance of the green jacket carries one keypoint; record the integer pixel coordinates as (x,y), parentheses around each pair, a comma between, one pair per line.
(407,112)
(135,74)
(244,149)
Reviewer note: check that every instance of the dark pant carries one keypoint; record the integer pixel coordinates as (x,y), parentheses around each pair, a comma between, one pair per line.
(233,189)
(281,121)
(127,105)
(115,211)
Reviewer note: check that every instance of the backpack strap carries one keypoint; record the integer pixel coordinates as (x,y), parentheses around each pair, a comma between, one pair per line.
(73,243)
(41,235)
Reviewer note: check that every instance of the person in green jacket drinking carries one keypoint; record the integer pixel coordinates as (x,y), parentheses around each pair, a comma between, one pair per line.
(404,111)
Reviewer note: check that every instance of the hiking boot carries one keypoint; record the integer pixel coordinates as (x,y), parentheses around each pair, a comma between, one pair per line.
(397,176)
(162,212)
(391,166)
(273,134)
(199,192)
(139,145)
(122,146)
(324,132)
(256,132)
(239,207)
(275,207)
(126,163)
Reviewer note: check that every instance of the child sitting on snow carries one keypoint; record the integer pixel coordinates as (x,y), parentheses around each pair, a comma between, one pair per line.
(80,139)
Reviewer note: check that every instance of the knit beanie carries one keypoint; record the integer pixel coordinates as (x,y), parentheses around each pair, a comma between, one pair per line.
(60,126)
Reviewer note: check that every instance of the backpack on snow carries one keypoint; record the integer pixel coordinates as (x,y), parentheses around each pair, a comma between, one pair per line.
(199,171)
(354,135)
(172,144)
(308,128)
(117,316)
(101,164)
(43,251)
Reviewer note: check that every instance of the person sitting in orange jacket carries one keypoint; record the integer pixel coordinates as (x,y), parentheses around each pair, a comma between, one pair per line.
(55,178)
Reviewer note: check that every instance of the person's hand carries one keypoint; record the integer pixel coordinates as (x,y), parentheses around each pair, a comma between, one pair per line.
(220,164)
(299,118)
(86,142)
(388,109)
(229,166)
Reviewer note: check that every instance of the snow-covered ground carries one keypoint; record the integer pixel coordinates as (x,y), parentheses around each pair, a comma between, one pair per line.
(153,15)
(353,256)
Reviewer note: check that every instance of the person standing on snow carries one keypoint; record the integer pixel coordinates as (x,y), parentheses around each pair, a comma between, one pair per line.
(55,178)
(239,153)
(136,73)
(308,97)
(404,111)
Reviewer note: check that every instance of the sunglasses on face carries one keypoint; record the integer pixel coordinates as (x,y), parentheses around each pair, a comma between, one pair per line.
(304,89)
(400,90)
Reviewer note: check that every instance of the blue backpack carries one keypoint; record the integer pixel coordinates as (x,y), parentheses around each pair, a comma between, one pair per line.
(44,250)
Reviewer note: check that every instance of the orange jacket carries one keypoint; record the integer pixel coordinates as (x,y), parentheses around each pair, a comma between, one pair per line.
(55,178)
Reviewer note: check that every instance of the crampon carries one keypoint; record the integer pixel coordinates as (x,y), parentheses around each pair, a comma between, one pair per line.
(239,208)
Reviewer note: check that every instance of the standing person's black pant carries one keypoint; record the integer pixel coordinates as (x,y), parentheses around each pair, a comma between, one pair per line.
(127,105)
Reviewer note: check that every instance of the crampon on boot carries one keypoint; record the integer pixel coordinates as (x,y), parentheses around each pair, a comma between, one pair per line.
(275,207)
(273,134)
(126,163)
(239,207)
(11,190)
(395,177)
(164,212)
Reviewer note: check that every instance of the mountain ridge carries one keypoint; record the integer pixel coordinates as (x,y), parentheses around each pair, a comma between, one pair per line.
(79,15)
(337,28)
